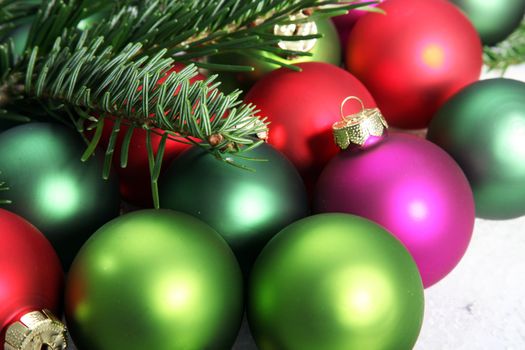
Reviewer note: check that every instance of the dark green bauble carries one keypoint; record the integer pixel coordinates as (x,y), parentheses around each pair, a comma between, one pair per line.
(246,207)
(63,197)
(494,20)
(154,279)
(327,49)
(483,129)
(335,282)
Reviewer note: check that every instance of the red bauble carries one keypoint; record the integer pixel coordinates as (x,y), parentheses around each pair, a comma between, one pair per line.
(134,179)
(414,58)
(302,106)
(31,276)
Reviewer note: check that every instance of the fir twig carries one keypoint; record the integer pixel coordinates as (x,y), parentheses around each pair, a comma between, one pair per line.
(111,69)
(508,53)
(14,13)
(4,187)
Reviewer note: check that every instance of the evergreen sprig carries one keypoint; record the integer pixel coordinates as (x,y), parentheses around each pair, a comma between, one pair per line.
(14,13)
(507,53)
(112,68)
(4,187)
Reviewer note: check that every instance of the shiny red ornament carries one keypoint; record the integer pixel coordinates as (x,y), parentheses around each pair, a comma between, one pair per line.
(134,179)
(31,276)
(414,58)
(301,108)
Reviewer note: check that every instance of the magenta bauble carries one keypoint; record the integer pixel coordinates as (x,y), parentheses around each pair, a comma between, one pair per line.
(412,188)
(345,23)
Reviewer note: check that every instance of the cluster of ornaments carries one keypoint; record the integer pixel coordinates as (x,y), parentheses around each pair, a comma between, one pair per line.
(330,238)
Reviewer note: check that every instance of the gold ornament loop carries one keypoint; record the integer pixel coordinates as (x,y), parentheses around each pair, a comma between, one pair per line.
(356,129)
(349,98)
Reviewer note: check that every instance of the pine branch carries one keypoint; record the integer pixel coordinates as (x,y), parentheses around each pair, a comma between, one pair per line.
(508,53)
(4,187)
(112,68)
(14,13)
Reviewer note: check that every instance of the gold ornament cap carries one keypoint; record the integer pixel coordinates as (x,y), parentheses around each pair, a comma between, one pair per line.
(357,129)
(36,330)
(297,29)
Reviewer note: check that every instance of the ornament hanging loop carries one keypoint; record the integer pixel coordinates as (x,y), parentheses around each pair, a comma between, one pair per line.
(346,100)
(359,129)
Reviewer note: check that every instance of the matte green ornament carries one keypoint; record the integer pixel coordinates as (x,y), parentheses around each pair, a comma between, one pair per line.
(154,279)
(326,49)
(63,197)
(483,128)
(335,282)
(246,207)
(495,20)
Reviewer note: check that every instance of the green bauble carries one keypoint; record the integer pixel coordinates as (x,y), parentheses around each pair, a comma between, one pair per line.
(51,188)
(20,35)
(246,207)
(327,49)
(494,20)
(483,129)
(154,279)
(335,282)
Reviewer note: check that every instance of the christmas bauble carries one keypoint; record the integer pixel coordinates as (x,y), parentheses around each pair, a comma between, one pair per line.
(483,129)
(494,20)
(246,207)
(49,185)
(301,107)
(31,280)
(326,49)
(414,58)
(154,279)
(413,189)
(135,179)
(335,281)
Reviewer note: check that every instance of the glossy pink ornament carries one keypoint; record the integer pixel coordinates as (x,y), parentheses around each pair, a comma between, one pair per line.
(345,23)
(412,188)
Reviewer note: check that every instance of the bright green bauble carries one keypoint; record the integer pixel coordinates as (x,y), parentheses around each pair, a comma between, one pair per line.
(483,128)
(154,279)
(327,49)
(494,20)
(50,187)
(246,207)
(335,282)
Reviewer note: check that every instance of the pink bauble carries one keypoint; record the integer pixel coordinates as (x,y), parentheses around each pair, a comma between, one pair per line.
(345,23)
(412,188)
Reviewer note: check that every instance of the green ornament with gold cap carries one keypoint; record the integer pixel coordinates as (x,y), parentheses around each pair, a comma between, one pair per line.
(326,49)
